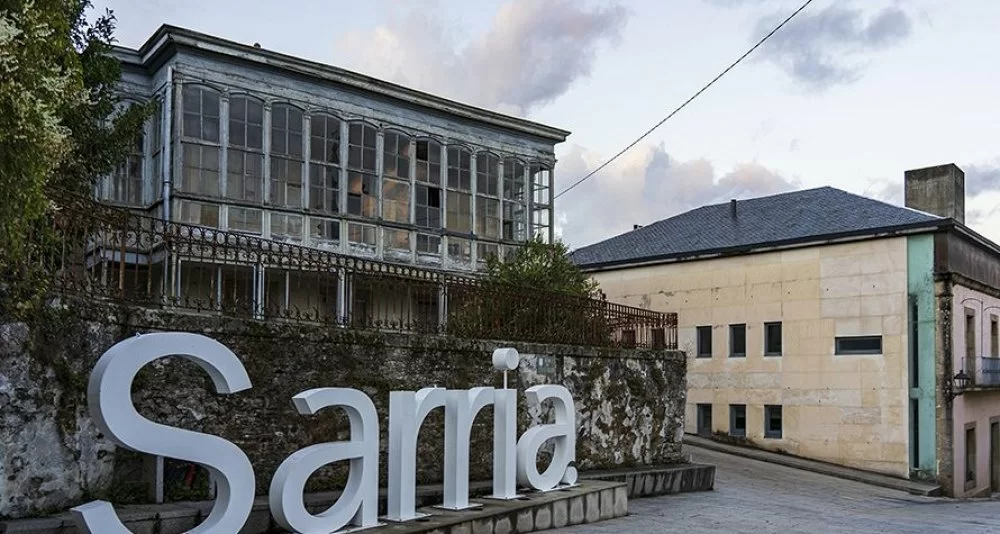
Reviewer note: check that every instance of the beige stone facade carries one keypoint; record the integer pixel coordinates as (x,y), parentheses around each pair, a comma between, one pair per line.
(851,408)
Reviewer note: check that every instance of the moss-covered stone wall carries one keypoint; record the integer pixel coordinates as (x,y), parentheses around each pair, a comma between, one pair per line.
(630,404)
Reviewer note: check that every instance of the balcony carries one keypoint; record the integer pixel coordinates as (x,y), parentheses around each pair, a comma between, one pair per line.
(988,373)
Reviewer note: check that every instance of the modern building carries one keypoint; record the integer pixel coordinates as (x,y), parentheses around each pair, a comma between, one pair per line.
(251,141)
(832,326)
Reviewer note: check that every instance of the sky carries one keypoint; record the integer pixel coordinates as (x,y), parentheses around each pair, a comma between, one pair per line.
(850,94)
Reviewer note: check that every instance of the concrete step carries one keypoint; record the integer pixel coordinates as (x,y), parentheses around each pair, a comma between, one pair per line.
(913,487)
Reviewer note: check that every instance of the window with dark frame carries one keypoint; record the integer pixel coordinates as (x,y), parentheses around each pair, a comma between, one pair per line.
(704,419)
(659,338)
(772,339)
(704,342)
(738,420)
(994,336)
(970,456)
(737,340)
(772,421)
(844,345)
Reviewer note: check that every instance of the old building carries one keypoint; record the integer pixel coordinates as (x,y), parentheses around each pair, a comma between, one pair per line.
(832,326)
(251,141)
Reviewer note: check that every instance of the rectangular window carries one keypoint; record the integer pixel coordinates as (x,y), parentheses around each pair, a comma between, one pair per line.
(429,244)
(738,420)
(970,457)
(201,114)
(772,339)
(488,217)
(513,180)
(459,250)
(397,240)
(325,139)
(245,175)
(487,174)
(285,226)
(970,338)
(361,234)
(245,220)
(705,419)
(324,231)
(772,422)
(428,161)
(428,206)
(200,172)
(125,184)
(737,340)
(361,147)
(914,343)
(286,182)
(459,169)
(659,338)
(858,345)
(514,222)
(396,155)
(361,194)
(157,148)
(324,188)
(200,214)
(484,251)
(994,336)
(246,123)
(286,131)
(459,212)
(395,200)
(704,342)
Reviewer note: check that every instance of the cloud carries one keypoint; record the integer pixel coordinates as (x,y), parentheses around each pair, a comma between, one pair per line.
(531,54)
(981,179)
(825,48)
(646,185)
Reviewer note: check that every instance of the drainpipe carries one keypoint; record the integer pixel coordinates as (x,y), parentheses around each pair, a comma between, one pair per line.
(167,122)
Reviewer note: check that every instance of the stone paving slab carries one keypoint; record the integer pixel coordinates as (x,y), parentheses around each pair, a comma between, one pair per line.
(910,486)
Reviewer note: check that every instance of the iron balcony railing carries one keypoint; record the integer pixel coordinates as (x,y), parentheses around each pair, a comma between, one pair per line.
(114,254)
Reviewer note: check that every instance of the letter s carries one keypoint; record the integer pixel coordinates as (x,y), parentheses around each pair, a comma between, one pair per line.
(110,401)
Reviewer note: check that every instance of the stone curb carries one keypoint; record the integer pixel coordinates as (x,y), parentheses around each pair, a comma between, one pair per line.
(867,477)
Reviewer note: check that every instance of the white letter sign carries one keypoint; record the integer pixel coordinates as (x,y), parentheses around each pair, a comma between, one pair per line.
(407,411)
(461,411)
(564,434)
(358,504)
(110,400)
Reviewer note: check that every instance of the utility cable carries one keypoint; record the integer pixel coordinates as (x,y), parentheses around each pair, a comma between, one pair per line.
(688,101)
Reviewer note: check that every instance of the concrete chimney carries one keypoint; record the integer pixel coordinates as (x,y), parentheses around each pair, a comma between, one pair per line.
(937,190)
(732,208)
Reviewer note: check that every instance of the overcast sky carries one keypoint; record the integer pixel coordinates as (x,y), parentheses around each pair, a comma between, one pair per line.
(850,94)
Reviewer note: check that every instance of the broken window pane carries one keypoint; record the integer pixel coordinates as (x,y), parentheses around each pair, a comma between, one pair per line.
(428,207)
(361,234)
(397,239)
(514,223)
(325,231)
(361,194)
(396,155)
(459,250)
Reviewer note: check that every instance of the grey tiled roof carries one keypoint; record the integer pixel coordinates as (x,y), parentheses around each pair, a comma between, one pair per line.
(788,217)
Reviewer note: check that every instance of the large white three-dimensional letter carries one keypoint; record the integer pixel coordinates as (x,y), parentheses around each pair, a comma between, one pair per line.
(563,431)
(461,410)
(504,444)
(407,411)
(110,401)
(358,504)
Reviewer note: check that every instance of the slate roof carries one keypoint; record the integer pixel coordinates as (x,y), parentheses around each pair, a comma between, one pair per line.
(799,216)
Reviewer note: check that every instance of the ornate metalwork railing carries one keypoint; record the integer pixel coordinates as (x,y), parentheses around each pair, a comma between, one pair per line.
(114,254)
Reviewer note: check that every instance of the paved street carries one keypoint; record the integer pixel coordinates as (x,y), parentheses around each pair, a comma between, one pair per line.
(759,498)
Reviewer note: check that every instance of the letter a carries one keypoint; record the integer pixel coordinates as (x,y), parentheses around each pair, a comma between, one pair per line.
(358,504)
(110,401)
(564,434)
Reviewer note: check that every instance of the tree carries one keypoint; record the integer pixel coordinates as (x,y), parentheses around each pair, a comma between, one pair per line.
(542,266)
(61,126)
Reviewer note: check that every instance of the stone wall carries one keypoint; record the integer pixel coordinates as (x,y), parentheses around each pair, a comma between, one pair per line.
(630,404)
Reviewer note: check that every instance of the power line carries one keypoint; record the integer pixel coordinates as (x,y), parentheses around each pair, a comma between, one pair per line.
(688,101)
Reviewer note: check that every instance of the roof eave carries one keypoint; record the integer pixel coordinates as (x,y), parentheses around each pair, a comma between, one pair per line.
(168,34)
(878,233)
